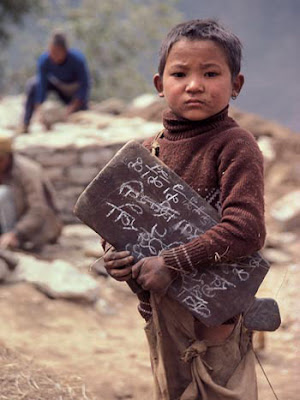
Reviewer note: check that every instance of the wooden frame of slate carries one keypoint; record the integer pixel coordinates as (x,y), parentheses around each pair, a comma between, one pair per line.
(137,203)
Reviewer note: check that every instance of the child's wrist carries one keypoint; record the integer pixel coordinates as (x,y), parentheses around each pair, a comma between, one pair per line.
(174,273)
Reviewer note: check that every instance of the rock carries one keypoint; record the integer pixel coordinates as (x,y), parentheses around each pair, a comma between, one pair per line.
(52,112)
(144,100)
(278,175)
(111,106)
(98,267)
(54,173)
(286,210)
(97,157)
(94,252)
(11,111)
(276,256)
(151,112)
(82,176)
(280,239)
(58,279)
(123,390)
(4,271)
(80,231)
(259,126)
(61,158)
(91,118)
(267,148)
(104,308)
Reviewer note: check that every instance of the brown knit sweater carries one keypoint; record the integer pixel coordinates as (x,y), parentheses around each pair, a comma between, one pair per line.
(223,163)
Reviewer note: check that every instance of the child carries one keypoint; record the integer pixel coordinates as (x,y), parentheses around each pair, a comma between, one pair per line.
(199,71)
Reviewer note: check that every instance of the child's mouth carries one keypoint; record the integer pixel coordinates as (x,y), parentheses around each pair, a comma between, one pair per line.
(194,102)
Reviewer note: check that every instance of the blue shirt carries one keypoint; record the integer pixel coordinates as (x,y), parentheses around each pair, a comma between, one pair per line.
(73,69)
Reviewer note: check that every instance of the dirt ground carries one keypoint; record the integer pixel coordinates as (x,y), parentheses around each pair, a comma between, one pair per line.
(104,345)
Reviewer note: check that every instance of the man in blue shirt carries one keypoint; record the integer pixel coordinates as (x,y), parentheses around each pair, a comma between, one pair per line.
(63,71)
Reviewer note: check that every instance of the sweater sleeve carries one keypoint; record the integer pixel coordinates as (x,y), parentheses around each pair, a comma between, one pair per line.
(241,230)
(83,79)
(41,92)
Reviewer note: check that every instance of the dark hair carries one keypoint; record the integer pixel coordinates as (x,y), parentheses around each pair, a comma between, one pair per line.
(203,29)
(59,38)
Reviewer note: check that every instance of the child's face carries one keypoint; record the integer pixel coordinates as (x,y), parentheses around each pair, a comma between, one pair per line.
(197,81)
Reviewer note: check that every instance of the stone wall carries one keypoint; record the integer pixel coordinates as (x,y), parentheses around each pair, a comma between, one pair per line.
(71,169)
(73,155)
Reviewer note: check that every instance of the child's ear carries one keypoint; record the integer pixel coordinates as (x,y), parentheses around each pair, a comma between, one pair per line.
(158,85)
(237,85)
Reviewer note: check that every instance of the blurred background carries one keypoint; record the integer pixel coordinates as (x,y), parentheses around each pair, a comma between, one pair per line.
(126,34)
(69,331)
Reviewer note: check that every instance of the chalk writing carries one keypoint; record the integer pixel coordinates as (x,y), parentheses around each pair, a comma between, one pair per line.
(217,284)
(196,303)
(123,216)
(187,229)
(137,165)
(155,210)
(135,190)
(155,174)
(150,243)
(191,204)
(192,295)
(195,289)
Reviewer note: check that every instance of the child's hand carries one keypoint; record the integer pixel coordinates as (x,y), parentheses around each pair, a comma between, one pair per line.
(118,264)
(153,274)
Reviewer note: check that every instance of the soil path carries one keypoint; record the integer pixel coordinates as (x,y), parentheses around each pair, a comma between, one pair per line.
(105,345)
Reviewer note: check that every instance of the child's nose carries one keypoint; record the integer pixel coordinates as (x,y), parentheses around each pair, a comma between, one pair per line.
(195,85)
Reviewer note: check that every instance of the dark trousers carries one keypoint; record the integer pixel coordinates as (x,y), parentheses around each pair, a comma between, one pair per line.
(31,88)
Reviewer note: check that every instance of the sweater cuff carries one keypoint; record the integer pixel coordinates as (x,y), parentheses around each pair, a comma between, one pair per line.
(144,306)
(186,257)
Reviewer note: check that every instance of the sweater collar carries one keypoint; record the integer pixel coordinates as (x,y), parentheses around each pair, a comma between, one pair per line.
(181,128)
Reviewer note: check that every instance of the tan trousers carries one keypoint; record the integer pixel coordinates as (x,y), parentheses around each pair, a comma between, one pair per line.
(185,368)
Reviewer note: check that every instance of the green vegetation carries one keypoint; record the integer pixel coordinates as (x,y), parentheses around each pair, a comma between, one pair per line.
(120,39)
(13,11)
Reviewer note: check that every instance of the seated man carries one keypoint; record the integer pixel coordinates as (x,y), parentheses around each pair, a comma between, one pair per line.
(63,71)
(28,217)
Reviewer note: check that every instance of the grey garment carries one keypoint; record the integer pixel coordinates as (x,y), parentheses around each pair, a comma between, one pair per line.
(8,213)
(68,89)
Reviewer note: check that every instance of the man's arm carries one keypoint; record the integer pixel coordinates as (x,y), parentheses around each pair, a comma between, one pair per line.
(73,106)
(82,94)
(41,92)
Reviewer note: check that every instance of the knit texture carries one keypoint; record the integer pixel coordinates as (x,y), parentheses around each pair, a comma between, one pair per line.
(223,163)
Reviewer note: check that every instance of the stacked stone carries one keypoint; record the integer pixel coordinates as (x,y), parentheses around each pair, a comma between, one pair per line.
(73,155)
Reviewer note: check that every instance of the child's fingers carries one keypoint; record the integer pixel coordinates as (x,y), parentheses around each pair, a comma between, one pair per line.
(119,262)
(124,262)
(116,255)
(121,274)
(137,268)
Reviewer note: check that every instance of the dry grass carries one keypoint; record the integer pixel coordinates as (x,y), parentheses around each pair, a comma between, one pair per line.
(22,379)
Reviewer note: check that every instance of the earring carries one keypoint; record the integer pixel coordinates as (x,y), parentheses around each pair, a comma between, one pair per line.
(234,96)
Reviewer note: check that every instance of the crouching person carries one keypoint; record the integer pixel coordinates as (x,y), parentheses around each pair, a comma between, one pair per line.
(28,217)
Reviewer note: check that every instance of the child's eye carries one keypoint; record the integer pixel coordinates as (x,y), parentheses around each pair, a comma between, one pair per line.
(178,74)
(211,74)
